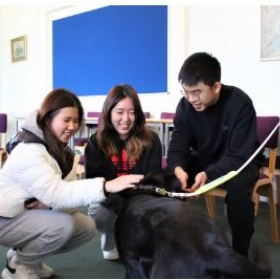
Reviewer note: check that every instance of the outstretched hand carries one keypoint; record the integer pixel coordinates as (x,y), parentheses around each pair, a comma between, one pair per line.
(122,182)
(182,177)
(200,180)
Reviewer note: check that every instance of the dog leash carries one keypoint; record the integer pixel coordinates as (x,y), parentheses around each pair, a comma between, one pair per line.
(215,183)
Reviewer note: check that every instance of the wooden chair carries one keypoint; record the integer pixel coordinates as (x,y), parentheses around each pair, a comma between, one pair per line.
(263,186)
(3,157)
(276,177)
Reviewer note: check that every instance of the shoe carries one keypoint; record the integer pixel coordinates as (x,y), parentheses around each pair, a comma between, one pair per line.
(34,271)
(111,255)
(11,253)
(24,272)
(43,270)
(39,269)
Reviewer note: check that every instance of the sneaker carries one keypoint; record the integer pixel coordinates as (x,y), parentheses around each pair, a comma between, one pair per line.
(111,255)
(40,269)
(8,272)
(22,272)
(11,253)
(43,270)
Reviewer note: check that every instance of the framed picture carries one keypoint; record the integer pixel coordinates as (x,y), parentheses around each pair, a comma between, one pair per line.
(270,35)
(19,49)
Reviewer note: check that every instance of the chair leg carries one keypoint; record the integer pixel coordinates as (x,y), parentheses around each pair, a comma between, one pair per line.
(277,183)
(273,217)
(211,206)
(256,199)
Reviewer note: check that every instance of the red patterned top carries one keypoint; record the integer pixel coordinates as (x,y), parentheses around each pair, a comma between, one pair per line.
(123,164)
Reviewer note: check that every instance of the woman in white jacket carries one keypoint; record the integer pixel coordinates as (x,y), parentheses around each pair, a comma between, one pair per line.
(39,190)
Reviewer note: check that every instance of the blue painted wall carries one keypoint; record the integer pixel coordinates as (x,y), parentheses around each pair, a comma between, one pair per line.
(95,50)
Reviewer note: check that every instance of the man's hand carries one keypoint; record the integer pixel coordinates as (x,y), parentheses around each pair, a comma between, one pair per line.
(182,177)
(200,180)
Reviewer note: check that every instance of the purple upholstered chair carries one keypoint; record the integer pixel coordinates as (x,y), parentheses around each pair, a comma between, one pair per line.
(167,115)
(3,128)
(147,115)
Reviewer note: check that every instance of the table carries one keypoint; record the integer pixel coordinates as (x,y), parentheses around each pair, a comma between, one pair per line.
(153,123)
(158,124)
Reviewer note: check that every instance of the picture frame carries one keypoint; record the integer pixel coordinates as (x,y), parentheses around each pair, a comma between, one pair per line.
(270,35)
(19,48)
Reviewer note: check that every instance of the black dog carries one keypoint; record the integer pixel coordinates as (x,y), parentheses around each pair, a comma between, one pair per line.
(161,237)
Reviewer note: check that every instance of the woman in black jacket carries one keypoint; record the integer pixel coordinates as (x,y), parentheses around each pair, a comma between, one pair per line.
(122,145)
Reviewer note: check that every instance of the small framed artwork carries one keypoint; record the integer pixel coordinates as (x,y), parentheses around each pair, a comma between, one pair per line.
(19,49)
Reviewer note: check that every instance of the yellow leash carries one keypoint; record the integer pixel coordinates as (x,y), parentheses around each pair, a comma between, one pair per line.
(215,183)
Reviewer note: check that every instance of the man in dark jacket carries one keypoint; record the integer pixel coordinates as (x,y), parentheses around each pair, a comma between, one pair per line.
(215,132)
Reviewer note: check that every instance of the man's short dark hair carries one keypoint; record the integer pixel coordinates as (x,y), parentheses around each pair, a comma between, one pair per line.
(200,67)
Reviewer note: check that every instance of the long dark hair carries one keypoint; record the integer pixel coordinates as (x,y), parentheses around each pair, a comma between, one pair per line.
(55,101)
(139,137)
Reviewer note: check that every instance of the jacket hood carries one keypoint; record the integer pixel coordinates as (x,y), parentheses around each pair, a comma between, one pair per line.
(30,124)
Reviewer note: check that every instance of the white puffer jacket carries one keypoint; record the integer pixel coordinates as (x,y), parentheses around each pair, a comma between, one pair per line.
(30,171)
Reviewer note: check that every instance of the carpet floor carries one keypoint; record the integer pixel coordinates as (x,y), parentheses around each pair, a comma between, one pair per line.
(87,262)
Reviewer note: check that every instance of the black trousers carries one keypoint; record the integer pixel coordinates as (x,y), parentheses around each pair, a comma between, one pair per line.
(240,207)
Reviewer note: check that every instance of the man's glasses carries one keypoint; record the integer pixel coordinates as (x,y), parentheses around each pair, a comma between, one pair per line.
(194,95)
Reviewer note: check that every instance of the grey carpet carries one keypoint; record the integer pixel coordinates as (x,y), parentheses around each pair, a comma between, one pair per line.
(87,262)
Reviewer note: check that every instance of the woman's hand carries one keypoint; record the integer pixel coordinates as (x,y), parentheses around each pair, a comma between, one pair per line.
(122,182)
(36,205)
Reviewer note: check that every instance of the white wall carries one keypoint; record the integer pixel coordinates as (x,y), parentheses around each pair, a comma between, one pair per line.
(230,32)
(23,84)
